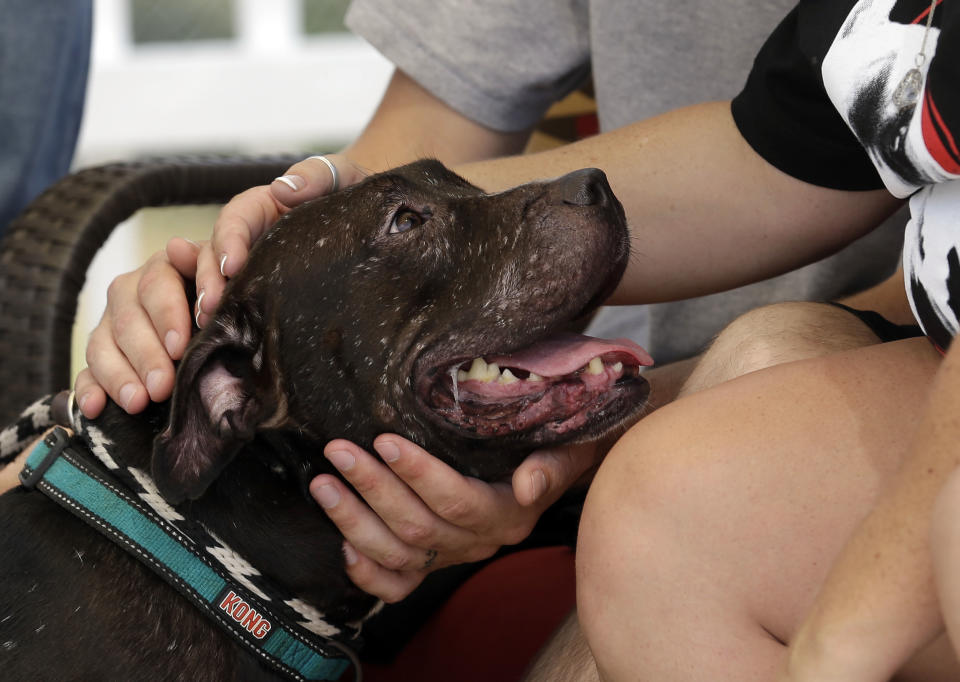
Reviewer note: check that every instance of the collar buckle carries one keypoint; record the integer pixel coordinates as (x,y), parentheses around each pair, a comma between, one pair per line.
(43,456)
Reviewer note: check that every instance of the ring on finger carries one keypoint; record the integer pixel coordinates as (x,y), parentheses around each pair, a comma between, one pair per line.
(333,171)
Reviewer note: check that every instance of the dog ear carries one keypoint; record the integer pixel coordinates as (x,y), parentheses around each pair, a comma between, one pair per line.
(224,391)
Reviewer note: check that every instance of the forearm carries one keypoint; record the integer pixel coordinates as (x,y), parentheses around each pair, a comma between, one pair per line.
(705,211)
(410,123)
(878,605)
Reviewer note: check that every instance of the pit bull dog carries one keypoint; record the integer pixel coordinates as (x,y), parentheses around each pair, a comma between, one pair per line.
(411,303)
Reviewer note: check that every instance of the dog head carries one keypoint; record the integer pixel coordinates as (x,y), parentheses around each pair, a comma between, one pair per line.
(413,303)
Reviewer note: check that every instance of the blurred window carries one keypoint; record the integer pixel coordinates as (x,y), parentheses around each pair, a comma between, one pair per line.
(156,21)
(324,16)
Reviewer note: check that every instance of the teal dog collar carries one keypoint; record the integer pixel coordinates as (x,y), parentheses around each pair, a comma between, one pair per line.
(61,472)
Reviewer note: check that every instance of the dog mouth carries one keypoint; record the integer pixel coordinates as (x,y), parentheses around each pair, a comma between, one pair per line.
(564,386)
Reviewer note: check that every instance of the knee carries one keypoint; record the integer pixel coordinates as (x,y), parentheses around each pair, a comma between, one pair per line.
(778,333)
(784,332)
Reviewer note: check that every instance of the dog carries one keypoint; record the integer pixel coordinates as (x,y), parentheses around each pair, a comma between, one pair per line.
(413,303)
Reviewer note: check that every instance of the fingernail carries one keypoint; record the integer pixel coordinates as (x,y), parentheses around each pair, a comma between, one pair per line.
(326,495)
(539,482)
(223,261)
(171,342)
(190,241)
(196,308)
(127,391)
(389,451)
(294,182)
(349,554)
(154,378)
(341,459)
(81,400)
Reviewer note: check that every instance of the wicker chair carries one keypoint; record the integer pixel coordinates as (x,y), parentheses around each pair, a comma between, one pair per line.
(46,251)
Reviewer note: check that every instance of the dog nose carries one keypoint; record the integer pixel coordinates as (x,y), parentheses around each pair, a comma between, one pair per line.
(585,187)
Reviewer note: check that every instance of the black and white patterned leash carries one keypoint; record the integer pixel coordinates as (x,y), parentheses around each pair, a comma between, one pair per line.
(51,410)
(29,425)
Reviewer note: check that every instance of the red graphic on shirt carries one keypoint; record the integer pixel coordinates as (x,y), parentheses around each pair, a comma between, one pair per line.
(938,138)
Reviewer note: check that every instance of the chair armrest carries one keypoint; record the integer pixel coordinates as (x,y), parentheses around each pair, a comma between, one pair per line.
(47,249)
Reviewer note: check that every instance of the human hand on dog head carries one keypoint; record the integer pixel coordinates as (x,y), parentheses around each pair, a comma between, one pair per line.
(145,326)
(423,515)
(251,213)
(147,321)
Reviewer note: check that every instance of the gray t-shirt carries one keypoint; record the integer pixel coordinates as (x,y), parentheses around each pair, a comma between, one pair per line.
(502,63)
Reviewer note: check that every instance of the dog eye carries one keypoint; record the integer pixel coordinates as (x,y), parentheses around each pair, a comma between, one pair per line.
(404,220)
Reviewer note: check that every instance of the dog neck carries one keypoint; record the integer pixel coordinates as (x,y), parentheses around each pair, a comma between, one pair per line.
(260,511)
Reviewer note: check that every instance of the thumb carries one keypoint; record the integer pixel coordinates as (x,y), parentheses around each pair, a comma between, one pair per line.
(313,177)
(546,474)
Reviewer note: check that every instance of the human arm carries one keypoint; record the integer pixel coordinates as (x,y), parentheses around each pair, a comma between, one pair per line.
(706,212)
(878,605)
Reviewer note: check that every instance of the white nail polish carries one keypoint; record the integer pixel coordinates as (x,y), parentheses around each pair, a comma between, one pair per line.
(290,181)
(223,261)
(196,309)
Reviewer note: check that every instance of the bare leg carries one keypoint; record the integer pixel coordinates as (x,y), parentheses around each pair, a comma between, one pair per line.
(775,334)
(760,339)
(764,337)
(712,523)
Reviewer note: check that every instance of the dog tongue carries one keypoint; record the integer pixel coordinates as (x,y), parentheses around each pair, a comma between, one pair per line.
(566,353)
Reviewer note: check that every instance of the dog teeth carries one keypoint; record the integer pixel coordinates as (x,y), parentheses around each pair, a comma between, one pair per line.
(454,377)
(481,370)
(507,377)
(478,370)
(595,366)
